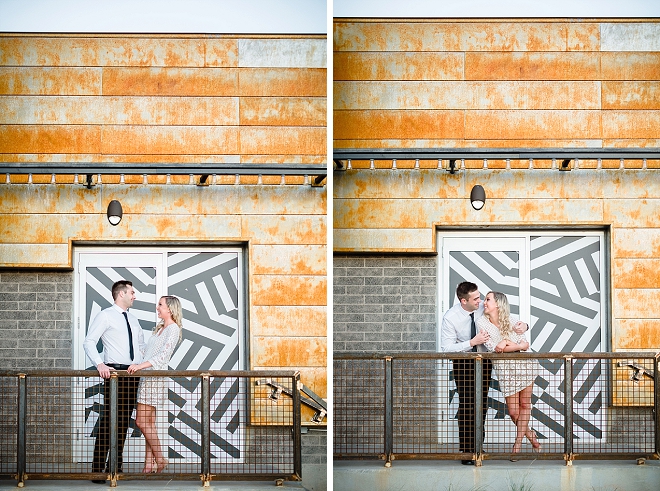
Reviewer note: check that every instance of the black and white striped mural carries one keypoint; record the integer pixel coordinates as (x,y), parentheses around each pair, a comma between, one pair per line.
(565,301)
(565,315)
(208,285)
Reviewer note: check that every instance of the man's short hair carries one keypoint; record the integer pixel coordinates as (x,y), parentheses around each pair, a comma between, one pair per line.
(120,286)
(464,289)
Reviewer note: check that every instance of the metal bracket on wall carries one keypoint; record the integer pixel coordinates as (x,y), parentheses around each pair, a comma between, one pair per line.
(638,371)
(314,401)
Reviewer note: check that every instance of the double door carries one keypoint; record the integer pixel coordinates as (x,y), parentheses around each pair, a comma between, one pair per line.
(554,282)
(209,284)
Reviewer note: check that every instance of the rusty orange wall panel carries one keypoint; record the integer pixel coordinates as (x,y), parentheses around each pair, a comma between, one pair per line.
(532,66)
(283,111)
(511,125)
(114,110)
(189,82)
(285,82)
(631,95)
(464,35)
(398,66)
(630,66)
(50,139)
(362,124)
(50,81)
(467,95)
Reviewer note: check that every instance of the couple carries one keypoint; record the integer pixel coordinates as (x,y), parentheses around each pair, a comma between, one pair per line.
(468,326)
(124,349)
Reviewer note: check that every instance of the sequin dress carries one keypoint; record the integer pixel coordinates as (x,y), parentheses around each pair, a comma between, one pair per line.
(512,375)
(152,390)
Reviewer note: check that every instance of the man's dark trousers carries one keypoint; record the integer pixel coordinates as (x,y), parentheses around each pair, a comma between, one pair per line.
(127,392)
(464,378)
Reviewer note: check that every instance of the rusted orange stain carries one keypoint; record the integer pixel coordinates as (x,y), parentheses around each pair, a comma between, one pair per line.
(292,82)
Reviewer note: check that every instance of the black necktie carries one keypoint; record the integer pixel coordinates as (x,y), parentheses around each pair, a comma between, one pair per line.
(130,335)
(473,330)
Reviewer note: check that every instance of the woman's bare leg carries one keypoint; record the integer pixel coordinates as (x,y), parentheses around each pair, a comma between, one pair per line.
(146,421)
(525,405)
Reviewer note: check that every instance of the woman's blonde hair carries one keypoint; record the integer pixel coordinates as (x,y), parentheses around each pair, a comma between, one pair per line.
(503,313)
(174,304)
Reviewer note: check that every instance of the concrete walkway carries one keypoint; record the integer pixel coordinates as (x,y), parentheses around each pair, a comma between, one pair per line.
(314,479)
(496,475)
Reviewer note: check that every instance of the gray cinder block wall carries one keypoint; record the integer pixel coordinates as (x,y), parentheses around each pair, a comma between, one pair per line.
(384,303)
(36,317)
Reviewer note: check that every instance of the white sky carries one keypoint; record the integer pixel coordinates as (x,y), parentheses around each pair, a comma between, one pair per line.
(166,16)
(496,8)
(279,16)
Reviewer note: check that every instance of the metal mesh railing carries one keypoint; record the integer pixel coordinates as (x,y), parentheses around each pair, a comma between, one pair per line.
(210,425)
(583,406)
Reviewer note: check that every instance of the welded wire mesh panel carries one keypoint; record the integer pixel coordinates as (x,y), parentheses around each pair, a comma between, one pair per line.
(631,427)
(252,425)
(526,403)
(50,428)
(8,424)
(422,401)
(358,407)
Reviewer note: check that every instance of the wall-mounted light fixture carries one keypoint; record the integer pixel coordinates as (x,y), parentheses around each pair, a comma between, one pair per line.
(478,197)
(114,212)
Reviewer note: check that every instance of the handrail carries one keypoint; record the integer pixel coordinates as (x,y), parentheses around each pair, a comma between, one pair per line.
(226,420)
(400,406)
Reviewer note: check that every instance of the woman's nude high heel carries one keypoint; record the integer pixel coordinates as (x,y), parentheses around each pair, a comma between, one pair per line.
(531,436)
(516,449)
(160,466)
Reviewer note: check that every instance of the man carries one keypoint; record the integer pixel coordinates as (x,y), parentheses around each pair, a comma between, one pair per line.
(458,333)
(123,343)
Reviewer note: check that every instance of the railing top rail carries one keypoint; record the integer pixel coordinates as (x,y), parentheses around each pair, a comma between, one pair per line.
(154,373)
(432,355)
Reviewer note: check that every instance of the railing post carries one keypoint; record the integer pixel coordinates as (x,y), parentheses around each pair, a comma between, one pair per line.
(656,405)
(478,408)
(21,432)
(568,409)
(206,429)
(389,415)
(297,436)
(114,422)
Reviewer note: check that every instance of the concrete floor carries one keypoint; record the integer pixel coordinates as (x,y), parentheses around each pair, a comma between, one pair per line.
(496,475)
(314,479)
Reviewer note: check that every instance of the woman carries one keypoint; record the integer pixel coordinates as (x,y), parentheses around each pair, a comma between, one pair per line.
(152,390)
(516,377)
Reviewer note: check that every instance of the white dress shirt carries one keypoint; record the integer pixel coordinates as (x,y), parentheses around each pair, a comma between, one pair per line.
(110,326)
(455,332)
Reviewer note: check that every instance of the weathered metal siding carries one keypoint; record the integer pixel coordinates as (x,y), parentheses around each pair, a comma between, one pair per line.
(151,98)
(525,84)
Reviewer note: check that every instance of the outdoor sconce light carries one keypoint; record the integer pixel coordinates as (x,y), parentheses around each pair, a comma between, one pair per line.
(114,212)
(478,197)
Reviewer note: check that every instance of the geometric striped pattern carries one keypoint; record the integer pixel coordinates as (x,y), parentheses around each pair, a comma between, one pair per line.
(207,285)
(566,316)
(565,307)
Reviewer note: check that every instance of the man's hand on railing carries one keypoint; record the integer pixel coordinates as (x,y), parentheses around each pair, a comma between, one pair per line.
(104,370)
